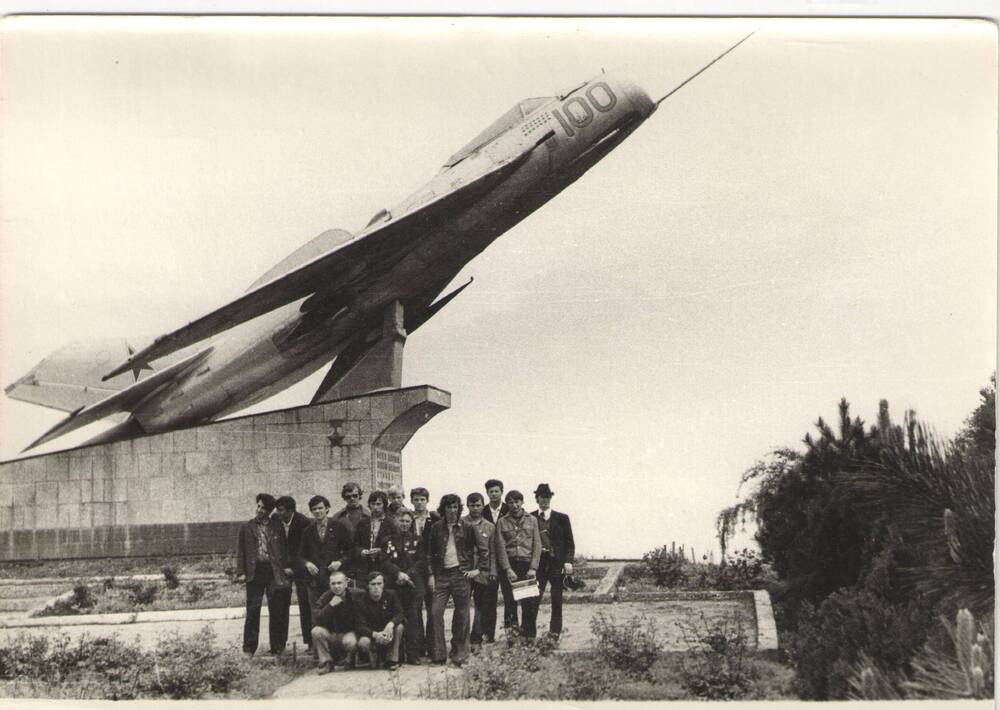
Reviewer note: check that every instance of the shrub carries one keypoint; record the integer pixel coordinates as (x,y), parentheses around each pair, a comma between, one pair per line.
(966,670)
(193,592)
(171,578)
(191,666)
(876,620)
(102,667)
(80,600)
(744,570)
(141,594)
(631,647)
(580,678)
(717,666)
(665,566)
(503,671)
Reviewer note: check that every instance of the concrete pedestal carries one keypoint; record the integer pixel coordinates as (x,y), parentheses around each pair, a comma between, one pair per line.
(186,491)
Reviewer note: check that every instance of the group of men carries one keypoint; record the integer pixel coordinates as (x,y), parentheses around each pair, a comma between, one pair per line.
(364,576)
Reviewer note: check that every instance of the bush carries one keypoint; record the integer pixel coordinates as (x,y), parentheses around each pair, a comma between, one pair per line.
(101,667)
(744,570)
(964,671)
(139,593)
(630,647)
(191,666)
(876,620)
(193,592)
(717,666)
(171,578)
(106,667)
(665,566)
(80,600)
(504,670)
(580,678)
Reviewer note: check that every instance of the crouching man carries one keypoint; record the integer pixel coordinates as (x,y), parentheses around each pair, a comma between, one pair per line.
(379,623)
(334,621)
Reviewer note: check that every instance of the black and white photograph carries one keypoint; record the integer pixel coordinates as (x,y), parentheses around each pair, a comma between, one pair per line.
(497,358)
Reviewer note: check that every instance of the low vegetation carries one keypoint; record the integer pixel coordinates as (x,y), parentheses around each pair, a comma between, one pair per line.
(627,662)
(112,595)
(118,567)
(666,568)
(105,667)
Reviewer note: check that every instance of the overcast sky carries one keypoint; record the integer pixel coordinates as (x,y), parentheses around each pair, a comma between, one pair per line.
(813,217)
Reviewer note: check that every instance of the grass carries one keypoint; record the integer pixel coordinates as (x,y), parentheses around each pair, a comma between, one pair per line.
(116,596)
(116,566)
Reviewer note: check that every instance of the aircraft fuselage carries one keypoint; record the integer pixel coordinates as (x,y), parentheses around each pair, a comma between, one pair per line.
(263,356)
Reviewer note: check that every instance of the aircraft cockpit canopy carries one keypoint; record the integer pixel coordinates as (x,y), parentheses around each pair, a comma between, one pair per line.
(502,124)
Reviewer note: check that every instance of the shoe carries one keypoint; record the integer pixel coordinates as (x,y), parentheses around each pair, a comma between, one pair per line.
(391,666)
(325,668)
(248,654)
(457,662)
(439,663)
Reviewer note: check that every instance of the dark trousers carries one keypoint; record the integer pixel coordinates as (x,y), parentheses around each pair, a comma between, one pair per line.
(305,609)
(412,600)
(427,608)
(451,583)
(529,607)
(551,572)
(278,601)
(509,605)
(484,597)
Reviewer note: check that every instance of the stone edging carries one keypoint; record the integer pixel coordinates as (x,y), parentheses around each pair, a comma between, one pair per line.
(767,631)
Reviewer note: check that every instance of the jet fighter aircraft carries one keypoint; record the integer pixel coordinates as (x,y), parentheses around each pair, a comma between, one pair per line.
(349,298)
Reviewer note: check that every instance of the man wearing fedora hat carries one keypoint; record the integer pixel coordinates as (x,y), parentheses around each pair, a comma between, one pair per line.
(558,551)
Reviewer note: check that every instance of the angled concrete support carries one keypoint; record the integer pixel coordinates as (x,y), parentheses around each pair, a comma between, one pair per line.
(382,366)
(186,491)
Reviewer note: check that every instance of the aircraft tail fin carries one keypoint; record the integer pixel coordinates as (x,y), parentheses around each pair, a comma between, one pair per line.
(70,377)
(123,400)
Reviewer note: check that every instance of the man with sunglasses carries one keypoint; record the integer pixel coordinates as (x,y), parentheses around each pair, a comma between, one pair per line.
(353,512)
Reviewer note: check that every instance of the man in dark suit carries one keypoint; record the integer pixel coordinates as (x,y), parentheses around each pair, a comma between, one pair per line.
(261,561)
(376,541)
(293,526)
(495,507)
(558,551)
(327,546)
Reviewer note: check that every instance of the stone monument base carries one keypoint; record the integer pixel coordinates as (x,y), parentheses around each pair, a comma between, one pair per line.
(186,492)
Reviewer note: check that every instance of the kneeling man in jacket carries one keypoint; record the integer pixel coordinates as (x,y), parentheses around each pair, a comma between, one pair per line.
(334,618)
(379,623)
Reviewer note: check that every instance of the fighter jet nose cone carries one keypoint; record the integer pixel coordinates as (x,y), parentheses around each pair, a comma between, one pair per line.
(637,95)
